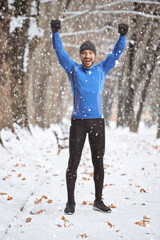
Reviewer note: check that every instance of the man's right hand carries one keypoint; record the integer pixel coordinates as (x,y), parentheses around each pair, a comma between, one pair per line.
(55,25)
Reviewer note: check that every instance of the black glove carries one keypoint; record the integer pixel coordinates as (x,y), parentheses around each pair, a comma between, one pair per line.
(122,29)
(55,25)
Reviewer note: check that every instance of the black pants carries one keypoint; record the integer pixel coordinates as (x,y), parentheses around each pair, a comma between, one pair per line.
(96,133)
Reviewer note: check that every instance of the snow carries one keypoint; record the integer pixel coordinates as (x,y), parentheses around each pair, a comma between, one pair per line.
(16,22)
(34,30)
(31,170)
(26,58)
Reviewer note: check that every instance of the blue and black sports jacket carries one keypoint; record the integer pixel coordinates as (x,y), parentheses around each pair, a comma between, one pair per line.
(87,84)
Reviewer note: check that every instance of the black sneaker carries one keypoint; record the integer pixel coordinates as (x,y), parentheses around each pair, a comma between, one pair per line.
(70,208)
(100,206)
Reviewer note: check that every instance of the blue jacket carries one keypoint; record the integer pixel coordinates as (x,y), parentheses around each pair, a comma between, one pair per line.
(87,84)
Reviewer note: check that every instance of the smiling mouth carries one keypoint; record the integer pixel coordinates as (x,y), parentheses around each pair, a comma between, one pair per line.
(87,61)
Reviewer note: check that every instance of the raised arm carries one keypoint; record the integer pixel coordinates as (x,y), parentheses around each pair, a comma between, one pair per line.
(110,60)
(65,61)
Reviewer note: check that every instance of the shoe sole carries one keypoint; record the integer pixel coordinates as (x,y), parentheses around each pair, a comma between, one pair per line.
(69,213)
(97,209)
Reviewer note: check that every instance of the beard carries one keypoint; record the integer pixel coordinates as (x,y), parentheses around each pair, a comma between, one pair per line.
(87,65)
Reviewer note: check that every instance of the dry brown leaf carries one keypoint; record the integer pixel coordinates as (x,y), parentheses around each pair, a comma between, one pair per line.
(84,203)
(3,193)
(155,146)
(58,225)
(141,223)
(38,212)
(110,225)
(38,201)
(112,206)
(23,179)
(146,221)
(91,204)
(9,198)
(49,201)
(123,174)
(64,219)
(117,230)
(142,190)
(45,197)
(83,235)
(5,178)
(16,165)
(143,204)
(145,217)
(28,220)
(19,175)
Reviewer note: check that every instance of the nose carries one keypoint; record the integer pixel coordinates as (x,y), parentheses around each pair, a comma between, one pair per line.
(87,55)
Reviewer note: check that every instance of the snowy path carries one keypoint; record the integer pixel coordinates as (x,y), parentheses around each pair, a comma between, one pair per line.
(33,191)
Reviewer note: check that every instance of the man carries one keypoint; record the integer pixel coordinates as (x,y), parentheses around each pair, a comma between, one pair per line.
(87,82)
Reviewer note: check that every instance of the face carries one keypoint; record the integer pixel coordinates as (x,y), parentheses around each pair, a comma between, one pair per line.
(87,58)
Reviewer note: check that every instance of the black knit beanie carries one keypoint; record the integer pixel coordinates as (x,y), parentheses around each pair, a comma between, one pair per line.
(87,45)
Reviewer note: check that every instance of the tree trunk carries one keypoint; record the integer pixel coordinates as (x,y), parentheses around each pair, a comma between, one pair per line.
(144,92)
(5,84)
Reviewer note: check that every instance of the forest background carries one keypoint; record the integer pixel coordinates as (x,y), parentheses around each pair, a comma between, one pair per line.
(34,89)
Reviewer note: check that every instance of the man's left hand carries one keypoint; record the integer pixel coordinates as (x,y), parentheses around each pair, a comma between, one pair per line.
(122,29)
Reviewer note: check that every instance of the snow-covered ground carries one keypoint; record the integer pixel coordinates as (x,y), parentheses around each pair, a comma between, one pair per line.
(33,188)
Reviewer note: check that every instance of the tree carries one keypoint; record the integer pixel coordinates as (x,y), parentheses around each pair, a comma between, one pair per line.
(139,67)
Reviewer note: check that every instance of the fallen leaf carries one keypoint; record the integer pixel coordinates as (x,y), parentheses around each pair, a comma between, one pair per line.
(23,179)
(84,203)
(123,174)
(146,221)
(110,225)
(9,198)
(91,204)
(117,230)
(19,175)
(28,220)
(83,235)
(38,201)
(58,225)
(49,201)
(45,197)
(155,146)
(145,217)
(3,193)
(5,178)
(142,190)
(112,206)
(141,223)
(64,219)
(38,212)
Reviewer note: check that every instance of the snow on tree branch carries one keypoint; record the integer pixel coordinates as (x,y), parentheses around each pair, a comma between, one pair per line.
(88,31)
